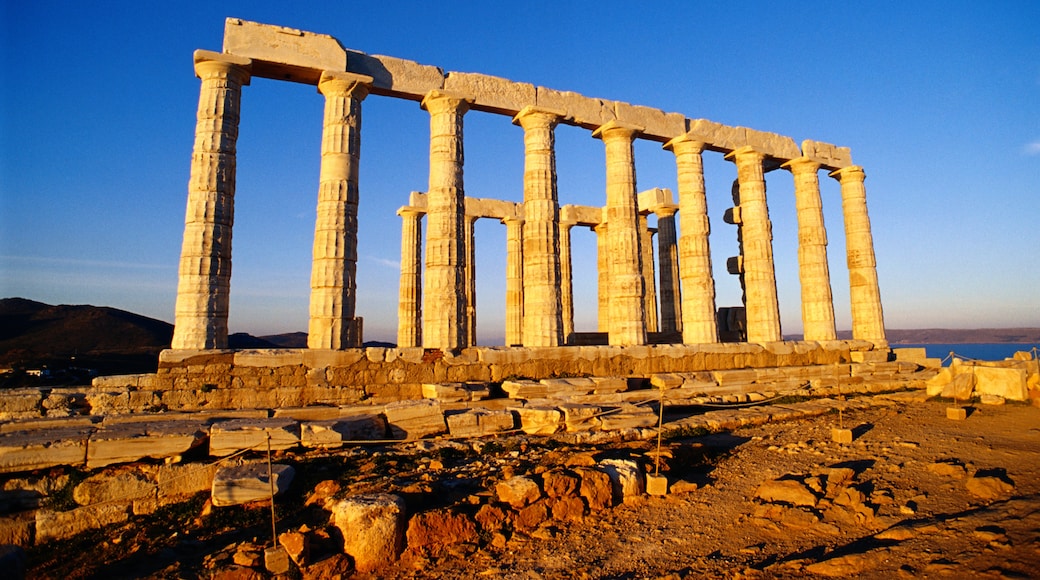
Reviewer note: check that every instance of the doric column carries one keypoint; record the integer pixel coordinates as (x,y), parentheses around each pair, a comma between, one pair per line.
(646,247)
(334,267)
(469,239)
(566,282)
(813,271)
(515,272)
(627,309)
(763,311)
(699,324)
(409,305)
(543,320)
(668,267)
(204,277)
(602,278)
(867,319)
(444,296)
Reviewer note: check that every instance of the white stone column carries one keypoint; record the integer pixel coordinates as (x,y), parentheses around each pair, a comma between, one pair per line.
(409,305)
(868,321)
(627,308)
(204,276)
(646,247)
(813,270)
(444,294)
(334,267)
(763,311)
(602,278)
(668,267)
(699,323)
(566,281)
(543,319)
(469,239)
(515,272)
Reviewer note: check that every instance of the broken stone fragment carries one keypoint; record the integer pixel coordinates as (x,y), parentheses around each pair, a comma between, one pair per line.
(249,482)
(789,491)
(373,528)
(539,420)
(626,478)
(415,419)
(227,437)
(127,442)
(960,387)
(989,487)
(518,491)
(479,422)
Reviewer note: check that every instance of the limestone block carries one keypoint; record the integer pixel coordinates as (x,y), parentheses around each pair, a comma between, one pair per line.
(629,417)
(716,136)
(656,484)
(1009,383)
(667,380)
(956,413)
(455,392)
(869,356)
(578,417)
(524,389)
(626,478)
(227,437)
(829,156)
(843,436)
(415,419)
(657,124)
(584,111)
(27,451)
(313,413)
(772,144)
(480,422)
(396,77)
(935,385)
(373,528)
(539,419)
(278,51)
(51,525)
(118,487)
(17,530)
(960,387)
(334,433)
(178,481)
(490,93)
(568,387)
(127,442)
(248,482)
(607,385)
(269,358)
(20,404)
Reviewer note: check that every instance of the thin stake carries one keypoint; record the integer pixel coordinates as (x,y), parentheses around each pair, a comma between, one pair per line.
(841,421)
(660,424)
(270,480)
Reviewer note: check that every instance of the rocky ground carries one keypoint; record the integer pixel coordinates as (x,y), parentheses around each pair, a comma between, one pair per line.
(914,495)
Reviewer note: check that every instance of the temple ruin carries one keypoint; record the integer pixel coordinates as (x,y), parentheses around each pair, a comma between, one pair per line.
(436,317)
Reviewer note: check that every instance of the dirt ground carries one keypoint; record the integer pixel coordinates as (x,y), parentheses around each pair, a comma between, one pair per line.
(914,495)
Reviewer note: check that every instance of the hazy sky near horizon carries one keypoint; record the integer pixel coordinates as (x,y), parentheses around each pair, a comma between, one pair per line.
(938,101)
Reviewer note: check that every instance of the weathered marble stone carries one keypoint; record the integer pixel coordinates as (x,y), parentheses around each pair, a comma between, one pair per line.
(1009,383)
(52,525)
(415,419)
(227,437)
(239,484)
(579,417)
(480,422)
(119,487)
(127,442)
(524,389)
(518,491)
(455,392)
(27,451)
(629,417)
(539,419)
(334,433)
(373,528)
(626,478)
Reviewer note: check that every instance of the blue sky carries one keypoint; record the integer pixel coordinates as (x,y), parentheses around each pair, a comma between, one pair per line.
(939,102)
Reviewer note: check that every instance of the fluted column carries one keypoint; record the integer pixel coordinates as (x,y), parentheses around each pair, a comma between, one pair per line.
(204,276)
(763,312)
(646,247)
(469,239)
(627,290)
(515,272)
(543,320)
(699,323)
(867,318)
(602,278)
(409,305)
(813,271)
(444,297)
(334,267)
(668,267)
(566,282)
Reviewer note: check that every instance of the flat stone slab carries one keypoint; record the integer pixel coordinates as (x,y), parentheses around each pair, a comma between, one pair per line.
(26,451)
(334,433)
(227,437)
(127,442)
(480,422)
(249,482)
(455,392)
(415,419)
(629,417)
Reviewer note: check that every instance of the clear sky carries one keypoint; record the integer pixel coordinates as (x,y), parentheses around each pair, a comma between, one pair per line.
(939,102)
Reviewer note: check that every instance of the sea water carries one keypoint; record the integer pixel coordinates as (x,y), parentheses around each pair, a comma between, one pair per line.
(978,351)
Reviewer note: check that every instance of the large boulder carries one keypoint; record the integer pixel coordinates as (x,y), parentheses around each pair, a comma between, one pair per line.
(373,528)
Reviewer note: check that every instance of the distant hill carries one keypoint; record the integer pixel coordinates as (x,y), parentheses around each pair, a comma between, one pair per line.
(952,335)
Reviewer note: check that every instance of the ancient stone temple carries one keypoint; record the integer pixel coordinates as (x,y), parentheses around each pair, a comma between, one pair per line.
(437,307)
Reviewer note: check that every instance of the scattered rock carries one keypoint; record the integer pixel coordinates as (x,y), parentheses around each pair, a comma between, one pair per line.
(518,491)
(297,545)
(843,566)
(989,486)
(789,491)
(432,531)
(947,468)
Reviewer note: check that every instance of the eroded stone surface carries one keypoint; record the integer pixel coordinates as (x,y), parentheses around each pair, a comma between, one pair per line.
(249,482)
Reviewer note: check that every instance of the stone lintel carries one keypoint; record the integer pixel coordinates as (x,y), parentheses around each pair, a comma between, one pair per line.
(476,207)
(726,139)
(652,198)
(581,215)
(587,112)
(396,77)
(829,156)
(284,53)
(491,94)
(656,125)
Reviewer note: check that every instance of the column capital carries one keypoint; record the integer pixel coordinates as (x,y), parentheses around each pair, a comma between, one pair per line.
(617,130)
(410,211)
(801,165)
(852,173)
(664,210)
(512,220)
(744,153)
(532,116)
(684,143)
(438,101)
(344,84)
(210,64)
